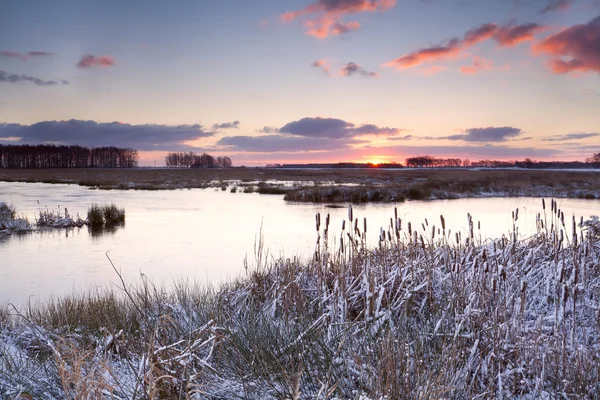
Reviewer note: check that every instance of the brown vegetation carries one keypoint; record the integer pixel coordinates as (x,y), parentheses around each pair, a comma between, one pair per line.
(432,183)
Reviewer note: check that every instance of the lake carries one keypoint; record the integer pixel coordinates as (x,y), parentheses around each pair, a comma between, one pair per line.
(204,235)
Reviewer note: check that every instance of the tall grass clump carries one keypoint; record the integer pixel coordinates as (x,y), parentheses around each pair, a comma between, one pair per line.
(105,216)
(10,222)
(426,313)
(49,218)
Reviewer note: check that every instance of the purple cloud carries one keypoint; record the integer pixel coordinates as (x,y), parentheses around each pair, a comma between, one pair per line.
(333,128)
(88,61)
(227,125)
(24,56)
(353,68)
(489,134)
(92,133)
(557,5)
(14,78)
(571,136)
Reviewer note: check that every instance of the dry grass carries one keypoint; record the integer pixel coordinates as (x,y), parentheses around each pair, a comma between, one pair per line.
(428,313)
(442,182)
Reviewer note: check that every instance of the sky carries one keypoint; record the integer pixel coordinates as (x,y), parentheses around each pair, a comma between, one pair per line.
(299,81)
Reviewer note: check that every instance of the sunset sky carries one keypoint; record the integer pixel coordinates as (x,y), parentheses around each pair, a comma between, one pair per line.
(305,80)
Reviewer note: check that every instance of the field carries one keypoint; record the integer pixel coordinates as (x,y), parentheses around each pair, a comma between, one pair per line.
(333,185)
(425,314)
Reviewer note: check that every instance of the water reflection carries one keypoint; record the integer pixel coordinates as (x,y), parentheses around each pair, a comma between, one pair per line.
(98,232)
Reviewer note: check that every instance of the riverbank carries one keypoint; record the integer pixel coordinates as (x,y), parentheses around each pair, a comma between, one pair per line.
(427,312)
(333,185)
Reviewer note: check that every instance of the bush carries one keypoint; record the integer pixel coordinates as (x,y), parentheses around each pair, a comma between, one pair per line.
(105,216)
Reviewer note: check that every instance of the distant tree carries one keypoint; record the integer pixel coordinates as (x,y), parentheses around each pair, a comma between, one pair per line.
(595,160)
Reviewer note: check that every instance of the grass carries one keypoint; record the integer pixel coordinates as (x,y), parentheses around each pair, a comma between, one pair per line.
(49,218)
(105,216)
(10,222)
(427,313)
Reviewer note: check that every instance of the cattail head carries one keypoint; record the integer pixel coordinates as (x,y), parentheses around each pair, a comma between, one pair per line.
(443,222)
(350,212)
(365,224)
(543,205)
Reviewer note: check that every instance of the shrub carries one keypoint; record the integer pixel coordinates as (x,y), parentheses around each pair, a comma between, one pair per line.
(105,216)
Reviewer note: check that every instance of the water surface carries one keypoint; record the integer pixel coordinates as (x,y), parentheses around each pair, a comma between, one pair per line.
(205,234)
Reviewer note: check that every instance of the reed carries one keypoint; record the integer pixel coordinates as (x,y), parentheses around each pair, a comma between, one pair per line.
(426,313)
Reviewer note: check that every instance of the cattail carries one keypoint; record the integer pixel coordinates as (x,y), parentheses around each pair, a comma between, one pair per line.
(327,221)
(543,205)
(318,221)
(343,224)
(350,212)
(395,213)
(517,215)
(409,229)
(443,222)
(433,232)
(356,225)
(365,225)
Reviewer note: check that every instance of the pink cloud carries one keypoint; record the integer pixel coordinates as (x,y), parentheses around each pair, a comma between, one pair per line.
(512,35)
(576,48)
(478,64)
(432,70)
(328,14)
(89,60)
(322,65)
(505,36)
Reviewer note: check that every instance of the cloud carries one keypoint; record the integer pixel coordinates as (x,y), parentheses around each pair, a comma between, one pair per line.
(571,136)
(557,5)
(489,134)
(505,36)
(269,129)
(333,128)
(24,56)
(14,78)
(576,48)
(477,152)
(327,15)
(478,64)
(89,60)
(322,65)
(279,143)
(227,125)
(92,133)
(353,68)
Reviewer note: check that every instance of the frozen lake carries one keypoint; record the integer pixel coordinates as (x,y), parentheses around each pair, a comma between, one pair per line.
(204,235)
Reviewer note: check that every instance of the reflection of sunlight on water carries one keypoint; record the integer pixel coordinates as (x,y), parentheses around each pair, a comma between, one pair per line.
(204,235)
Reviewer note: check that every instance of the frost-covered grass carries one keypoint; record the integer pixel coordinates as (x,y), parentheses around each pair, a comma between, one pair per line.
(49,218)
(10,222)
(428,313)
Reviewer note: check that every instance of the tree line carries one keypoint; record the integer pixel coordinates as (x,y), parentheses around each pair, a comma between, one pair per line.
(62,156)
(432,162)
(193,160)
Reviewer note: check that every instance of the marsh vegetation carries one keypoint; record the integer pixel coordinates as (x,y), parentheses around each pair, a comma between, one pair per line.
(425,313)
